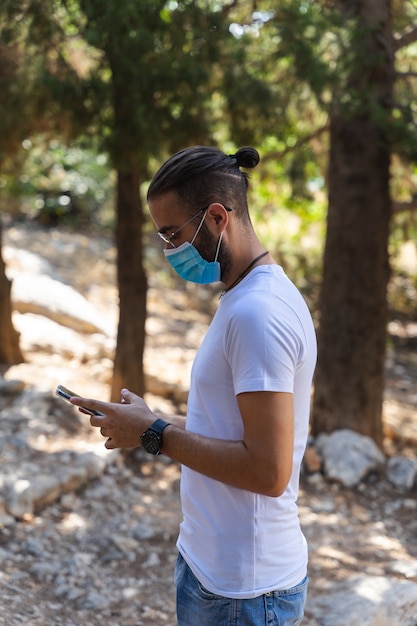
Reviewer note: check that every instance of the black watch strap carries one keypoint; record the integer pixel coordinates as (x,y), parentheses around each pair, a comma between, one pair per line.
(158,425)
(151,439)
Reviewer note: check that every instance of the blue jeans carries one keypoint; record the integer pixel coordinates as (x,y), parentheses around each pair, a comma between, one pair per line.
(198,607)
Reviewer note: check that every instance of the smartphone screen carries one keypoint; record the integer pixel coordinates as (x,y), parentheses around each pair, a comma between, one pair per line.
(64,392)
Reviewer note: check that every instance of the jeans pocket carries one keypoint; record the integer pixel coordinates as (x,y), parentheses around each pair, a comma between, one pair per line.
(288,605)
(206,594)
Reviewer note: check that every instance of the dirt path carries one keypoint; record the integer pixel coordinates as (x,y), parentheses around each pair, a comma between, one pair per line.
(104,555)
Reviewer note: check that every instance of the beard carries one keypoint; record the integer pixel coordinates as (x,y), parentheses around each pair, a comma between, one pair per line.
(207,246)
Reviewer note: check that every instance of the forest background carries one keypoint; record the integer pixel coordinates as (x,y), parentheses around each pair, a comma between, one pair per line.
(95,94)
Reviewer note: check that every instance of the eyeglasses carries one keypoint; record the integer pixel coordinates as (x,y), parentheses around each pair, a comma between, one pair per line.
(168,238)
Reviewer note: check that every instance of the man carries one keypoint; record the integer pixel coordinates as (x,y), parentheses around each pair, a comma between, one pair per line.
(242,556)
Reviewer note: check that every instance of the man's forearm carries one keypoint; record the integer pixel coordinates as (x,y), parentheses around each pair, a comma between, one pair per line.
(230,462)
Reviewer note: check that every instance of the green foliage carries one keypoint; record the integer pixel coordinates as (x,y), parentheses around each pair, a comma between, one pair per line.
(40,87)
(55,183)
(291,221)
(159,55)
(140,79)
(404,119)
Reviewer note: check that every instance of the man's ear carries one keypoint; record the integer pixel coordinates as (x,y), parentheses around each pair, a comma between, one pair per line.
(218,216)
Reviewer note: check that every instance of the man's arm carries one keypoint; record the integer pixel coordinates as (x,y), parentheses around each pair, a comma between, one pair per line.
(261,462)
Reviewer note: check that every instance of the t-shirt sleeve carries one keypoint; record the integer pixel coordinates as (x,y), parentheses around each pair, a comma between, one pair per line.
(263,346)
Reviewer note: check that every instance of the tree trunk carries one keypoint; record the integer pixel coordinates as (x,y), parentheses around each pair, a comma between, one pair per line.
(349,381)
(132,284)
(10,353)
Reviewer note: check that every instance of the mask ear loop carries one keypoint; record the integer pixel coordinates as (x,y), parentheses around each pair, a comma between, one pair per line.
(198,230)
(218,247)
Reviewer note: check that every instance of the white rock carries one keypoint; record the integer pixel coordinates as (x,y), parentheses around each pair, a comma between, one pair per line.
(44,489)
(366,601)
(405,568)
(348,456)
(61,303)
(18,260)
(41,334)
(19,500)
(401,472)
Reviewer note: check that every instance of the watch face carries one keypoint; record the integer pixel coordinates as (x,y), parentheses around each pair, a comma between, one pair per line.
(151,441)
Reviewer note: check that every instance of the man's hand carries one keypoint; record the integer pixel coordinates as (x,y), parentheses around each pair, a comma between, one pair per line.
(122,423)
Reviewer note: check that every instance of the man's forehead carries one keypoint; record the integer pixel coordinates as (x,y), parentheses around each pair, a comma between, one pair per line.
(167,212)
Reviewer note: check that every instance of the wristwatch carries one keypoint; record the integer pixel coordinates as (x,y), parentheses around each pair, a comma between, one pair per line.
(151,439)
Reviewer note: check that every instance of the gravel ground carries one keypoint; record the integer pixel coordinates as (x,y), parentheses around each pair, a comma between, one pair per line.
(103,554)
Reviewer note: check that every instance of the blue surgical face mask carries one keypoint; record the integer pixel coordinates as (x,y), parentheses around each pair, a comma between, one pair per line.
(190,265)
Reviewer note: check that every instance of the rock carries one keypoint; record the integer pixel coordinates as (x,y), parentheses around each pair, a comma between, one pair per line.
(348,456)
(94,463)
(33,547)
(127,545)
(160,387)
(11,387)
(368,601)
(95,601)
(143,532)
(405,568)
(44,489)
(45,571)
(74,475)
(23,261)
(325,505)
(59,302)
(19,500)
(31,480)
(401,472)
(41,334)
(152,561)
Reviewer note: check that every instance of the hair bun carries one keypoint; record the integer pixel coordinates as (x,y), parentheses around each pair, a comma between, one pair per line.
(247,157)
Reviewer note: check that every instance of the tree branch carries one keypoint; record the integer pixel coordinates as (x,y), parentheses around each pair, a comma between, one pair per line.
(406,74)
(279,154)
(403,207)
(405,37)
(228,7)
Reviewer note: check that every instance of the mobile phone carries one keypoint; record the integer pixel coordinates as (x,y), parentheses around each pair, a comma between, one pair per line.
(65,393)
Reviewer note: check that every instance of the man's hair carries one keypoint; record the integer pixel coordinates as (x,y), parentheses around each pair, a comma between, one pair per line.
(201,175)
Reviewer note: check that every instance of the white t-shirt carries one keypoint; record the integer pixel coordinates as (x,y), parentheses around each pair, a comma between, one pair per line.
(241,544)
